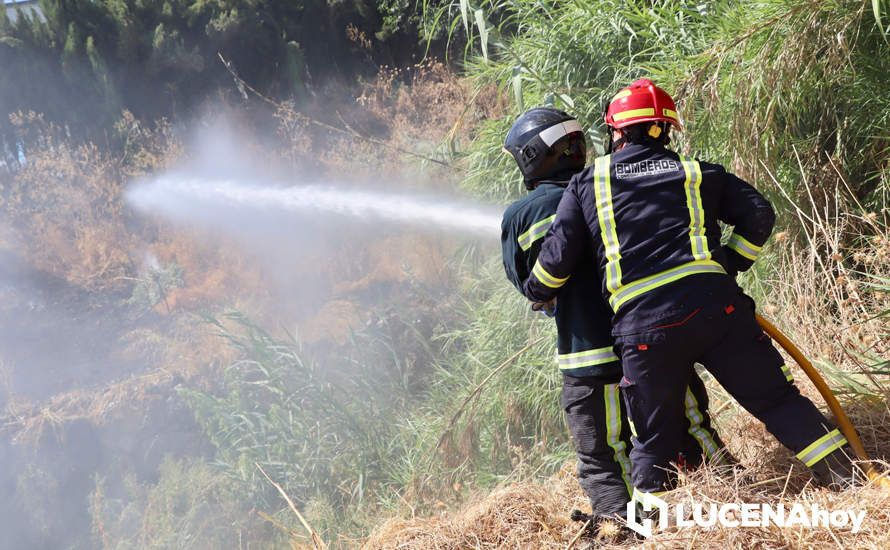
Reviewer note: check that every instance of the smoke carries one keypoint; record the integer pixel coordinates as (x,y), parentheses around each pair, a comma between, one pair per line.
(313,239)
(329,255)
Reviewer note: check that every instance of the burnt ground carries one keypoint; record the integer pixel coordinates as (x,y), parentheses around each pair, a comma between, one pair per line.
(60,350)
(53,337)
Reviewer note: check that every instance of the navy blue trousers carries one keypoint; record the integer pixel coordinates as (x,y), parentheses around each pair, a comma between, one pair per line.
(725,338)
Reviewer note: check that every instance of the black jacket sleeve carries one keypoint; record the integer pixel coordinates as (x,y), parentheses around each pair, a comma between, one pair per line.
(563,246)
(514,257)
(751,216)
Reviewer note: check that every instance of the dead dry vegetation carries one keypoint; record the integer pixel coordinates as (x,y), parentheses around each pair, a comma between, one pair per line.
(535,514)
(67,217)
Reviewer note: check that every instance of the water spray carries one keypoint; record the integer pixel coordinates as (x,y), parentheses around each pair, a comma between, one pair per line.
(178,197)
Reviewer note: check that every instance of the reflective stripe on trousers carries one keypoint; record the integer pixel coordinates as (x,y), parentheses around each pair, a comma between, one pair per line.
(643,496)
(613,431)
(696,416)
(787,372)
(822,447)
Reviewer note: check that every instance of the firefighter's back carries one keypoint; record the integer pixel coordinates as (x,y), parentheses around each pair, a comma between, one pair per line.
(653,218)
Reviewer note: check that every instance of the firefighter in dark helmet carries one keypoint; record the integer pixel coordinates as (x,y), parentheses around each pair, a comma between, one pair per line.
(549,148)
(651,218)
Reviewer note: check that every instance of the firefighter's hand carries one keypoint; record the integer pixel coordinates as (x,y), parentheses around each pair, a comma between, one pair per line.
(547,308)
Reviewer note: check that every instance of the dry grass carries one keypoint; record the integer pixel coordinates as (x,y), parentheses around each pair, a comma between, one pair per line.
(213,272)
(64,214)
(65,204)
(826,291)
(27,422)
(186,352)
(535,514)
(397,258)
(417,113)
(519,515)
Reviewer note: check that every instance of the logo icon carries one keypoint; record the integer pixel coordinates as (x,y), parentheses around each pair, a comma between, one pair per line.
(648,503)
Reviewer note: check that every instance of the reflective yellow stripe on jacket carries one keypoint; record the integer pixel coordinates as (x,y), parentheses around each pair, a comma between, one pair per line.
(587,358)
(743,246)
(606,214)
(697,237)
(535,232)
(641,286)
(702,262)
(546,278)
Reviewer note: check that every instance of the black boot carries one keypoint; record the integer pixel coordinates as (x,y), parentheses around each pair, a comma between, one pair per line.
(835,471)
(608,528)
(593,525)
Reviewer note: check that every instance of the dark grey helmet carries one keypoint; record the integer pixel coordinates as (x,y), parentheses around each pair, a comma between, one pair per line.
(546,143)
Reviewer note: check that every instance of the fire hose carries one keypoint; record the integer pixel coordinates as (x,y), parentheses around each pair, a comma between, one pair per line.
(843,421)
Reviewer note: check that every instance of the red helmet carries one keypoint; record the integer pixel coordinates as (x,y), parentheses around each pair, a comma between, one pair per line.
(642,101)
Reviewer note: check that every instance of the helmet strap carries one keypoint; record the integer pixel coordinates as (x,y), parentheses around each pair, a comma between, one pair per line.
(613,144)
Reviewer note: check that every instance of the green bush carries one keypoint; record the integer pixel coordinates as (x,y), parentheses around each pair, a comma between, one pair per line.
(327,432)
(767,88)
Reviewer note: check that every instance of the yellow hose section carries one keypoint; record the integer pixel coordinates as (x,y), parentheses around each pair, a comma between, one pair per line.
(844,424)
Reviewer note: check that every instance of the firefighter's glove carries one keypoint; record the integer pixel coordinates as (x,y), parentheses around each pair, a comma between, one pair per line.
(547,308)
(731,268)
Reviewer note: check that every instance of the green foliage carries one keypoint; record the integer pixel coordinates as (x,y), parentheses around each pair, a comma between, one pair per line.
(756,81)
(880,10)
(516,418)
(154,286)
(352,432)
(326,433)
(80,63)
(192,506)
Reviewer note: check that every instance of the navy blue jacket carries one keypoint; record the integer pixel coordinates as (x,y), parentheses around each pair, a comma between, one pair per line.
(652,217)
(583,319)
